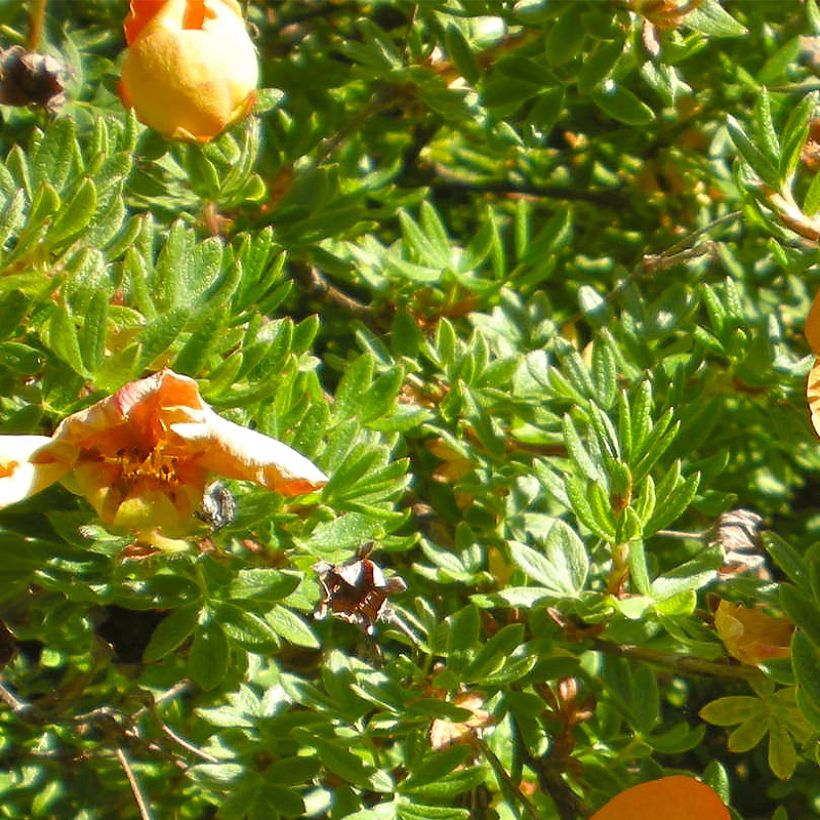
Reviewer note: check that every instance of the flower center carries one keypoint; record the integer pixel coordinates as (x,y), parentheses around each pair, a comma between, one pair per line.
(136,464)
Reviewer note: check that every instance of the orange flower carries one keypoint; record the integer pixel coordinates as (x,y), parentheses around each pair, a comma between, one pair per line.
(143,457)
(190,70)
(752,636)
(671,798)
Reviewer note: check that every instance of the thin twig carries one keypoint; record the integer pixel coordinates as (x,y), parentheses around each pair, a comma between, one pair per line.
(681,251)
(678,663)
(139,798)
(19,707)
(167,730)
(320,287)
(684,536)
(503,774)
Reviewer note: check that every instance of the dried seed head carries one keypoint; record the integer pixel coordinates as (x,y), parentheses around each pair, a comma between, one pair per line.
(28,78)
(356,591)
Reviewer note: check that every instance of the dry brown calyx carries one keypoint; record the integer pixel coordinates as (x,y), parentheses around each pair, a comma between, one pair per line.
(29,78)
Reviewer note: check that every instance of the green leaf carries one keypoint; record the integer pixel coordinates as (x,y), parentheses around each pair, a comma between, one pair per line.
(730,710)
(711,18)
(353,386)
(748,734)
(492,656)
(595,519)
(578,452)
(262,585)
(758,161)
(782,754)
(63,338)
(209,656)
(339,760)
(794,134)
(671,506)
(811,202)
(621,104)
(463,635)
(599,64)
(161,332)
(567,553)
(566,36)
(806,664)
(291,627)
(171,632)
(786,557)
(246,629)
(435,766)
(94,332)
(802,610)
(74,215)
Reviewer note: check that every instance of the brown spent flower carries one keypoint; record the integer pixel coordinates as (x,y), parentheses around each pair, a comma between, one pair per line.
(357,591)
(28,78)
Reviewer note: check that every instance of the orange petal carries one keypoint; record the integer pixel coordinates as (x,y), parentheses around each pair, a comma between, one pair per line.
(671,798)
(192,71)
(135,416)
(236,452)
(752,636)
(140,14)
(812,329)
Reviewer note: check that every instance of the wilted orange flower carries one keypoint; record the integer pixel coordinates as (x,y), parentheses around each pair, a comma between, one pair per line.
(454,467)
(190,70)
(144,456)
(812,329)
(752,636)
(444,733)
(677,797)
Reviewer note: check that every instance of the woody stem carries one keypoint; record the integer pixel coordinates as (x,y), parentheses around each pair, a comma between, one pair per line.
(678,663)
(36,21)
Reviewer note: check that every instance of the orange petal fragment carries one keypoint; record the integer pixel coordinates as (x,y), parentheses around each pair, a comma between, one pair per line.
(677,797)
(812,329)
(813,395)
(140,14)
(25,468)
(236,452)
(752,636)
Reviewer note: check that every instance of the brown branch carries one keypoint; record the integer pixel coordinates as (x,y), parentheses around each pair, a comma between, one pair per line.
(36,22)
(320,287)
(169,732)
(500,772)
(17,706)
(685,664)
(139,799)
(682,251)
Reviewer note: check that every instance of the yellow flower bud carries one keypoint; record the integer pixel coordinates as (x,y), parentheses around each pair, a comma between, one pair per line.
(190,70)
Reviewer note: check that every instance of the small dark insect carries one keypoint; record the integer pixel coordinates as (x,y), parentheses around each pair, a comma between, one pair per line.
(356,591)
(218,506)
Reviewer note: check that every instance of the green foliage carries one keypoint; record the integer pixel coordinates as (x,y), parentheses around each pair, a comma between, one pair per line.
(527,280)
